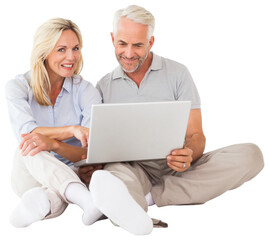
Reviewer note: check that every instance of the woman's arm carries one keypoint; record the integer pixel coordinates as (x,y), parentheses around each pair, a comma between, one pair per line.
(70,152)
(86,96)
(33,143)
(20,113)
(63,133)
(18,95)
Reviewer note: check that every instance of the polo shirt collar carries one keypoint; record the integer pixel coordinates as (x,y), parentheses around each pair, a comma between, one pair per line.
(118,73)
(155,65)
(156,62)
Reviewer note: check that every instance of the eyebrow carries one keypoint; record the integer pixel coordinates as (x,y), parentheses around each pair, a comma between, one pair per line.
(138,44)
(63,46)
(121,41)
(135,44)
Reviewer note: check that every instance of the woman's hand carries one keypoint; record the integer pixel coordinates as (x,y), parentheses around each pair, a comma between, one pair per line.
(34,143)
(82,134)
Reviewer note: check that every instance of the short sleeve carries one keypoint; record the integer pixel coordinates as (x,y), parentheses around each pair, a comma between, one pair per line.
(186,89)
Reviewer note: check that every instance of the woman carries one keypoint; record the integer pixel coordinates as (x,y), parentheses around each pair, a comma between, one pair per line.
(49,109)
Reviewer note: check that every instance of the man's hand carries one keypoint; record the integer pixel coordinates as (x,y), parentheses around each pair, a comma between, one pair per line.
(180,159)
(85,172)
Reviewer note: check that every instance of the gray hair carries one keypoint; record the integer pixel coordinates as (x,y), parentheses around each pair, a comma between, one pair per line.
(136,14)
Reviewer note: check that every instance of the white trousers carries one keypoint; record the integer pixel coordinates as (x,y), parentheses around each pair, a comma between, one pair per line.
(46,171)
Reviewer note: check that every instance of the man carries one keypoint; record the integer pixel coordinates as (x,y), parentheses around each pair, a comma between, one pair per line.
(186,176)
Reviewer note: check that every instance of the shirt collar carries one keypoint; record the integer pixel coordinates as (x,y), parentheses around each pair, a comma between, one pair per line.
(156,62)
(67,84)
(118,73)
(67,81)
(155,65)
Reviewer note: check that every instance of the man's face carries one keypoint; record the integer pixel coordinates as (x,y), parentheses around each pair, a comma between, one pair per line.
(131,44)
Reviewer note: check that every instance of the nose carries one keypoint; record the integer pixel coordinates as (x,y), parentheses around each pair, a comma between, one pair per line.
(129,51)
(70,55)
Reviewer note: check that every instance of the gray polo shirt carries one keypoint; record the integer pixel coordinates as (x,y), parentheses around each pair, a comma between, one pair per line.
(165,80)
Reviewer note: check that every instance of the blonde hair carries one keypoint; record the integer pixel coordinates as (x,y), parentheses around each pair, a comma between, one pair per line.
(45,40)
(137,14)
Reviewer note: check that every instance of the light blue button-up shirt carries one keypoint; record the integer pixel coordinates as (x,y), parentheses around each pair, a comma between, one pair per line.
(72,107)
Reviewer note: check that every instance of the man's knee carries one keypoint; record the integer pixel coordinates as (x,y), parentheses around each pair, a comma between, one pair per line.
(252,158)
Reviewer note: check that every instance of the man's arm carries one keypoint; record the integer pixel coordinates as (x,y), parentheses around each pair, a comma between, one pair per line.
(195,138)
(180,159)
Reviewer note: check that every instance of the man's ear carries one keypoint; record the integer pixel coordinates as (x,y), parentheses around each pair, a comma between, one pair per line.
(112,37)
(151,42)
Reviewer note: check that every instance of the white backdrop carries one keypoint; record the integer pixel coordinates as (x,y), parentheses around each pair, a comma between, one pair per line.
(225,46)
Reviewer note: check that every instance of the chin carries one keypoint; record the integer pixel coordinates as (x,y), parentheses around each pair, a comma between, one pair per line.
(128,69)
(68,74)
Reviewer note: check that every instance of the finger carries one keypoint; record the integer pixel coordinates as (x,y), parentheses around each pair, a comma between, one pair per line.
(177,164)
(100,166)
(86,142)
(29,144)
(179,167)
(83,142)
(87,179)
(175,168)
(87,139)
(96,166)
(28,149)
(35,151)
(28,138)
(84,178)
(85,169)
(181,152)
(184,159)
(90,173)
(21,144)
(24,135)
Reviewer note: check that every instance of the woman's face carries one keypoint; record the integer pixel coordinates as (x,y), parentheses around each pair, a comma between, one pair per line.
(64,58)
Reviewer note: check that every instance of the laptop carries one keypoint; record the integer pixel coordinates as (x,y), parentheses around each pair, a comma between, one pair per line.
(135,131)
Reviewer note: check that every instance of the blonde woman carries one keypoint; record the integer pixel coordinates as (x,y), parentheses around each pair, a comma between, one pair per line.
(49,109)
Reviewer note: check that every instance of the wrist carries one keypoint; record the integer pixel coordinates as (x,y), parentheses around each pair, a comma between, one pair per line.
(72,130)
(55,145)
(62,133)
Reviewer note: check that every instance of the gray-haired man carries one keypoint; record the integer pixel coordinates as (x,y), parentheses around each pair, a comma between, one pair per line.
(186,176)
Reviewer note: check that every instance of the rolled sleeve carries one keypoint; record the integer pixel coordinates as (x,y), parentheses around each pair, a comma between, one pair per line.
(89,95)
(20,113)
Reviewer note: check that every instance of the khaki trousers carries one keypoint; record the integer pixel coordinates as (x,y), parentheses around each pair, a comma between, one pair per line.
(46,171)
(211,175)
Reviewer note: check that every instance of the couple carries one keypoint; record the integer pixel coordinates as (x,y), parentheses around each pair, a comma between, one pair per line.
(50,107)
